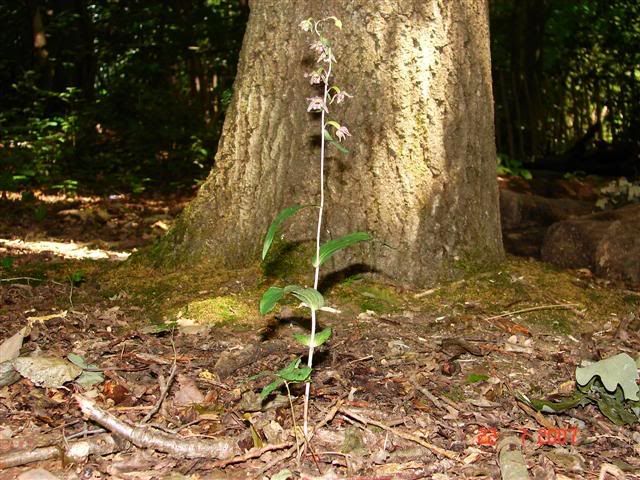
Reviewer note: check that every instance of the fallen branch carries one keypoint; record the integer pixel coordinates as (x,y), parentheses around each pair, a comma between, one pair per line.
(567,306)
(146,437)
(443,452)
(74,452)
(513,465)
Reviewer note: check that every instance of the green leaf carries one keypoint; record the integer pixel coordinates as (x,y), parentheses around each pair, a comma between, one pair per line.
(310,296)
(318,339)
(476,377)
(270,298)
(77,277)
(266,391)
(614,409)
(334,124)
(6,262)
(275,225)
(332,246)
(88,378)
(330,139)
(292,373)
(546,406)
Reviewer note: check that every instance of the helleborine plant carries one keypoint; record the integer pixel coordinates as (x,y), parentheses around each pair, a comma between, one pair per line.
(311,298)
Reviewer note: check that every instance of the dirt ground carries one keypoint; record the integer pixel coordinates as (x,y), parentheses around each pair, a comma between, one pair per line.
(412,384)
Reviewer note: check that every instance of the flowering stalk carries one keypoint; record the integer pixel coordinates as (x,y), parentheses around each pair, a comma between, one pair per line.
(320,104)
(311,297)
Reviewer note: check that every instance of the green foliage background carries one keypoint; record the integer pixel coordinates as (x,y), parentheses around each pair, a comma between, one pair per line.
(127,93)
(131,94)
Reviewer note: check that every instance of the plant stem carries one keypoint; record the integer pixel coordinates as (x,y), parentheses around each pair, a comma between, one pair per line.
(316,276)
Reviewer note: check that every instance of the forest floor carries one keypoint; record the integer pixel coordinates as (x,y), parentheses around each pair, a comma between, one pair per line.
(413,384)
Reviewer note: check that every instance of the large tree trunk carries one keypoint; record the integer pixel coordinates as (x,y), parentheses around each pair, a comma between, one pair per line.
(421,174)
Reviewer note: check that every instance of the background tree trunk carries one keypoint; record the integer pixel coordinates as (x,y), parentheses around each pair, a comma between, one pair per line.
(421,174)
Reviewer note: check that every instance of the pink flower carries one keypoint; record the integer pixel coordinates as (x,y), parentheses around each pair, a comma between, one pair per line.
(340,96)
(316,104)
(306,25)
(327,56)
(342,133)
(317,47)
(314,77)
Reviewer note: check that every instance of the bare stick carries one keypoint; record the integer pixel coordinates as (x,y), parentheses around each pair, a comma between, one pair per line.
(293,418)
(251,454)
(567,306)
(163,394)
(146,437)
(407,436)
(164,390)
(15,279)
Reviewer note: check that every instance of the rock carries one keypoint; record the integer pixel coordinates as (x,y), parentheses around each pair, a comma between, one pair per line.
(526,217)
(606,242)
(520,210)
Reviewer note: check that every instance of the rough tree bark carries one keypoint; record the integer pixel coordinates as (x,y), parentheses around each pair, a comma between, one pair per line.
(421,174)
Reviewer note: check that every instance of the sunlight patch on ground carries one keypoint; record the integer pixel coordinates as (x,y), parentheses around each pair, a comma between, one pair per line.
(54,198)
(70,250)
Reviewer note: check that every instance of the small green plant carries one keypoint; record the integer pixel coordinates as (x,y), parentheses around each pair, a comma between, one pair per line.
(6,263)
(77,277)
(311,298)
(40,212)
(513,167)
(67,187)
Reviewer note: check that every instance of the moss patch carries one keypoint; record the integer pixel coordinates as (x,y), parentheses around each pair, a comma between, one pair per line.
(232,296)
(220,311)
(289,261)
(520,284)
(369,296)
(216,294)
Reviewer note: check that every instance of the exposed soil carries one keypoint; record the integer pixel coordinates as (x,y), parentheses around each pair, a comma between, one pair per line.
(412,384)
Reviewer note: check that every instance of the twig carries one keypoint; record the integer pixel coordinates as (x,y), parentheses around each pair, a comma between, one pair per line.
(15,279)
(333,411)
(407,436)
(71,293)
(84,433)
(251,454)
(293,418)
(146,437)
(164,390)
(163,394)
(567,306)
(75,451)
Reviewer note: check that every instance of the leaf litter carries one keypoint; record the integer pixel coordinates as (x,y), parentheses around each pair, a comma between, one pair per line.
(411,385)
